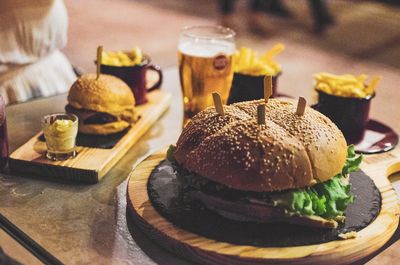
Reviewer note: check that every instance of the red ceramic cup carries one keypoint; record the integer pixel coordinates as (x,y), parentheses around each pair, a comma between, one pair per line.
(350,115)
(135,77)
(248,87)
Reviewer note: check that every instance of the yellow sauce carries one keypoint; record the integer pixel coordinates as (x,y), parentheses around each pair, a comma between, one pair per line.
(60,135)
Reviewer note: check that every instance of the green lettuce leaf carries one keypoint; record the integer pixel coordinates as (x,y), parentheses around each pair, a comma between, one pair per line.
(327,199)
(353,161)
(170,153)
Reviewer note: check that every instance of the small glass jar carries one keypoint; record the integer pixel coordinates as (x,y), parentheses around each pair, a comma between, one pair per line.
(60,131)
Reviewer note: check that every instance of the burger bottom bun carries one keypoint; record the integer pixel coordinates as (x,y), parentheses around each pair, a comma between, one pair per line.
(104,129)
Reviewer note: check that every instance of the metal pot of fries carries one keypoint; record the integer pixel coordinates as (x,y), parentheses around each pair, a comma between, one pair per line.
(248,87)
(346,100)
(249,72)
(133,68)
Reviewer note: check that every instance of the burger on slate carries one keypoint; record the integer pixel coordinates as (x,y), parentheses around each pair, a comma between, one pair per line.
(290,169)
(104,105)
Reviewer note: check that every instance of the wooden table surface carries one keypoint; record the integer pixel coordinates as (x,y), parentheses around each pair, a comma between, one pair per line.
(87,223)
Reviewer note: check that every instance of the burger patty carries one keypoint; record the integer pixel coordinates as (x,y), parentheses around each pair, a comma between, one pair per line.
(91,117)
(254,210)
(192,181)
(242,205)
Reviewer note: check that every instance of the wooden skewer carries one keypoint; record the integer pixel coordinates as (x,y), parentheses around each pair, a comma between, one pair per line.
(218,104)
(261,114)
(267,87)
(99,55)
(301,106)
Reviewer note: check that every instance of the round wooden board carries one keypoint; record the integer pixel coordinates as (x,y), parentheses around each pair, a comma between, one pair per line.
(207,251)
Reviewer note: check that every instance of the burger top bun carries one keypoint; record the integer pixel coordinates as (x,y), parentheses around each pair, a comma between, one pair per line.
(288,152)
(204,124)
(107,94)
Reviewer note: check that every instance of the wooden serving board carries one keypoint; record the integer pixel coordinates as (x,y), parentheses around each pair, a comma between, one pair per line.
(91,164)
(207,251)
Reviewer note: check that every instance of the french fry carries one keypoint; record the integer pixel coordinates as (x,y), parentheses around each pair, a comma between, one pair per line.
(248,62)
(345,85)
(277,49)
(362,78)
(120,58)
(370,89)
(244,58)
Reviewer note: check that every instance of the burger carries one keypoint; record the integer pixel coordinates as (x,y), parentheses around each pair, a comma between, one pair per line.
(294,168)
(104,105)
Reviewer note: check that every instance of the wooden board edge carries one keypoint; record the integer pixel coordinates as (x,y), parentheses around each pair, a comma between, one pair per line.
(326,253)
(69,173)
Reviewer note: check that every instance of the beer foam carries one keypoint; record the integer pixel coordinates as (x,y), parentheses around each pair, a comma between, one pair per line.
(207,49)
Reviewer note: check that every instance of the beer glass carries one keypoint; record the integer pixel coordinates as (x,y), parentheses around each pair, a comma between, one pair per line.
(205,57)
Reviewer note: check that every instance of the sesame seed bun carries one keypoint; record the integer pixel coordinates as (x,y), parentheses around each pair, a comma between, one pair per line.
(288,152)
(107,94)
(204,124)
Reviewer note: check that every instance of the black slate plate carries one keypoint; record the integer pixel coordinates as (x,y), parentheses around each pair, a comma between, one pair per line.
(167,198)
(97,141)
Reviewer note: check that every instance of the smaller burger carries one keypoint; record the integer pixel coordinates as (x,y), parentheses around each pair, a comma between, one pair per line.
(104,105)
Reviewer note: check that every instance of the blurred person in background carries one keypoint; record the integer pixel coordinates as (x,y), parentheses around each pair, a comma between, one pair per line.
(259,8)
(32,32)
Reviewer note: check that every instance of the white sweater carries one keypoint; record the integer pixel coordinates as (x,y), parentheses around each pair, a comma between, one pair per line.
(31,34)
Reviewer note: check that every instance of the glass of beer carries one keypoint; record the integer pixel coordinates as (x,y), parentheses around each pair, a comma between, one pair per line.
(205,56)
